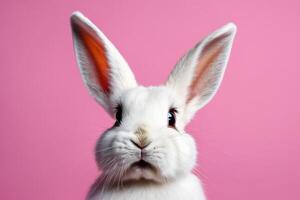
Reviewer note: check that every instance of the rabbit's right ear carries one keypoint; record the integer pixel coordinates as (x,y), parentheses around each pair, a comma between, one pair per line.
(198,75)
(104,71)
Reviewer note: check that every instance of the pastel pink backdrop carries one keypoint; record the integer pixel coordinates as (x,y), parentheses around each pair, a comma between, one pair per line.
(248,136)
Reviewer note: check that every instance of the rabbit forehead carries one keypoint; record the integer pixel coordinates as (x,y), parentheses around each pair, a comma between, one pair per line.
(147,105)
(146,98)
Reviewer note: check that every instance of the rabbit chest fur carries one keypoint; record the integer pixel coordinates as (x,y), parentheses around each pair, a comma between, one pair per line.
(185,188)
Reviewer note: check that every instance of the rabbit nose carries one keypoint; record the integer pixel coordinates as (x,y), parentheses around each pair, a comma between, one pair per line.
(140,145)
(142,138)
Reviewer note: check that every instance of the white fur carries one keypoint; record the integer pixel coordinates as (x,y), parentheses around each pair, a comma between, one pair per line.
(170,151)
(184,188)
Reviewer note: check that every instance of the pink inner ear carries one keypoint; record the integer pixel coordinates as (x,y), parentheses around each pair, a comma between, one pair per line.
(206,60)
(96,52)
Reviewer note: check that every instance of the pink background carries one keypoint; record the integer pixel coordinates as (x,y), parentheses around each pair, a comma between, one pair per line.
(248,136)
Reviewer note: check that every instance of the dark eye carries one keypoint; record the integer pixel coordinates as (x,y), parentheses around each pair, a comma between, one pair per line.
(172,117)
(118,115)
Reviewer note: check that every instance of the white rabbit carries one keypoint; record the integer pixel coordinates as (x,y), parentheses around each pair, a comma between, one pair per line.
(147,154)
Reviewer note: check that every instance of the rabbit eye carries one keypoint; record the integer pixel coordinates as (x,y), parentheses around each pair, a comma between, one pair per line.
(172,117)
(118,115)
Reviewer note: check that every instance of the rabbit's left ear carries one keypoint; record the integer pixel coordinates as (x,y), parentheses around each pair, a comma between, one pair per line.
(197,76)
(103,69)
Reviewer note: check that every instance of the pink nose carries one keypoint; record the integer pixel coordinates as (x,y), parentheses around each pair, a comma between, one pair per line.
(139,144)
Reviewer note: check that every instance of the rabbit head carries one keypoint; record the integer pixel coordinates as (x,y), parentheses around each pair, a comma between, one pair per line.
(148,141)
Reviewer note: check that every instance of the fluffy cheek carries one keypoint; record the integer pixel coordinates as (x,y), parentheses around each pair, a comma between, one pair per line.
(111,149)
(187,153)
(180,156)
(166,159)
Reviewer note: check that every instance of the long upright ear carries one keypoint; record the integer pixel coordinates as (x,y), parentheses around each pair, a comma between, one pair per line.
(197,76)
(104,71)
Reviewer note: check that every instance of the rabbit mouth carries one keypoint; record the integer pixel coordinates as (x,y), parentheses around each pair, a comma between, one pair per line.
(141,170)
(142,164)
